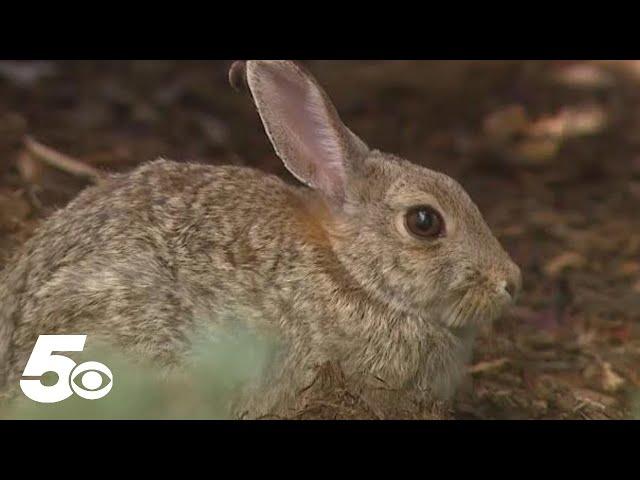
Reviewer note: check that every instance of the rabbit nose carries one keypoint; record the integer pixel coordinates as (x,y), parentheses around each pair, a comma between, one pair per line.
(513,282)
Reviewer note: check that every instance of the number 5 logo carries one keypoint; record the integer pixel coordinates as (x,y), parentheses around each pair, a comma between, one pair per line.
(42,360)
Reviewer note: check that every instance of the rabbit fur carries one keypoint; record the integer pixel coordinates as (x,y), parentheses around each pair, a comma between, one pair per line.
(143,259)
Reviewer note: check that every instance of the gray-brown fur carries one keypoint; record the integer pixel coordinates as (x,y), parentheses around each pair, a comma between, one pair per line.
(143,259)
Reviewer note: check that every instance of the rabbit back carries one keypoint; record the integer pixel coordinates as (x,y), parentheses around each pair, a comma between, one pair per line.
(142,259)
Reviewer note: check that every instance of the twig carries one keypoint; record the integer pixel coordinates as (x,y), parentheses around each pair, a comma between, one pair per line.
(61,161)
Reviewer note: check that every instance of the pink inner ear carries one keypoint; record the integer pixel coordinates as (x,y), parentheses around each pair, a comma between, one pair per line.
(314,152)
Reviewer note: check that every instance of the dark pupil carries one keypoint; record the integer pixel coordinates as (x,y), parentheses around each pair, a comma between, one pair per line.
(424,220)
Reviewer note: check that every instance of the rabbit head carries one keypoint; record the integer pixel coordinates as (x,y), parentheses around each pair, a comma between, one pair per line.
(409,236)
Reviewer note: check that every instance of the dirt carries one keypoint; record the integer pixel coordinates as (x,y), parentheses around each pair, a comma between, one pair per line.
(550,151)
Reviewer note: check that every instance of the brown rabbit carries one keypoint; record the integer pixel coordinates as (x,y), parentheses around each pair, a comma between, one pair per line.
(378,265)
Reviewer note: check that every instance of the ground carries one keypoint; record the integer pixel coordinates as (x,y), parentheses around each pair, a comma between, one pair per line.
(550,151)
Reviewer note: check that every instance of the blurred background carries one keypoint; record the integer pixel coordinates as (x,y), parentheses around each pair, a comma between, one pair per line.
(549,150)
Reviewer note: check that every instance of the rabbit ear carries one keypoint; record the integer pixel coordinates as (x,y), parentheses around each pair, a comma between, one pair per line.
(303,125)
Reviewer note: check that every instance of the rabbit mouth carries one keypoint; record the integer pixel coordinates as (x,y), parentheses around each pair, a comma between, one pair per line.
(473,307)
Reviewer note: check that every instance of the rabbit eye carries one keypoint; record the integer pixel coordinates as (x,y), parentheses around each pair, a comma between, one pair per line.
(424,222)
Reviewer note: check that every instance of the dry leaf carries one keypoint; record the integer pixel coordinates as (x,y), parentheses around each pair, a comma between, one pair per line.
(537,151)
(489,365)
(505,123)
(26,73)
(31,170)
(513,231)
(611,381)
(570,122)
(586,337)
(593,398)
(585,120)
(629,269)
(585,75)
(564,261)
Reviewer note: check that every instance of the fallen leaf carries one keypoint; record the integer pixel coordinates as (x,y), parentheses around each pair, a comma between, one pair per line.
(586,337)
(513,231)
(585,120)
(30,169)
(563,262)
(611,381)
(629,269)
(570,122)
(548,127)
(503,124)
(540,404)
(488,365)
(585,75)
(537,151)
(26,73)
(596,399)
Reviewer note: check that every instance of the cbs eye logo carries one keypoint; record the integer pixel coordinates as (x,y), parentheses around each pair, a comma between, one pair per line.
(85,380)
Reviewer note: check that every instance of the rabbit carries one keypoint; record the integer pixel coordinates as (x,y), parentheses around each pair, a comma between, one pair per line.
(375,264)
